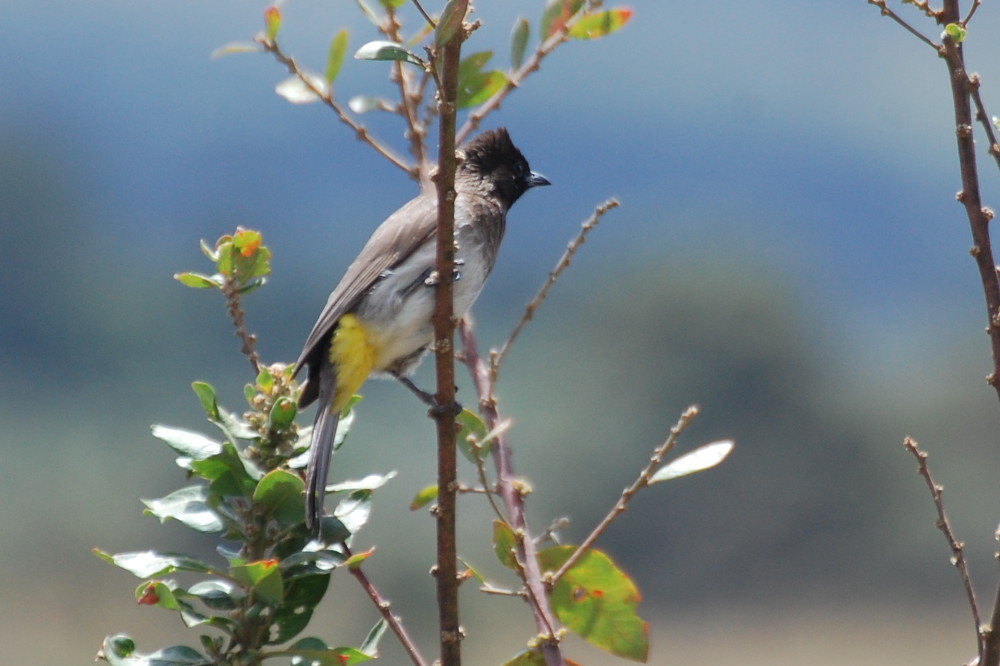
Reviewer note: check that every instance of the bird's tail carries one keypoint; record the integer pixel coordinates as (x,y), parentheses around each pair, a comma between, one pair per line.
(324,431)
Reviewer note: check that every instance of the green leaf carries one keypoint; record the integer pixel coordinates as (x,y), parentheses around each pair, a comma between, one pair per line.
(504,544)
(472,429)
(392,4)
(199,281)
(188,506)
(519,37)
(264,577)
(149,563)
(370,482)
(216,594)
(120,651)
(354,510)
(283,413)
(956,32)
(594,26)
(475,86)
(363,104)
(314,652)
(382,50)
(297,91)
(450,21)
(302,595)
(187,443)
(529,657)
(226,472)
(370,644)
(281,492)
(235,47)
(597,601)
(424,497)
(702,458)
(338,49)
(557,14)
(206,394)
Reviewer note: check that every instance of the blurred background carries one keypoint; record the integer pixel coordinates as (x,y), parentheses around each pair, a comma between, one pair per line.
(788,255)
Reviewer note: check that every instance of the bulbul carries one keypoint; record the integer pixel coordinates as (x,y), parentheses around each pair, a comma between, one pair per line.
(378,318)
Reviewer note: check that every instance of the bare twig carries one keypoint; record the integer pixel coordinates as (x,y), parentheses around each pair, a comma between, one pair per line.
(385,610)
(898,19)
(515,79)
(360,131)
(957,547)
(622,504)
(234,306)
(972,12)
(561,265)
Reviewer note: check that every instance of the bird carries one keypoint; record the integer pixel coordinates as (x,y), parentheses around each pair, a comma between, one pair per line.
(377,321)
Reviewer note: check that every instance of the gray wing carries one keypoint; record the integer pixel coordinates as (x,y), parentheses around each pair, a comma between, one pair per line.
(395,240)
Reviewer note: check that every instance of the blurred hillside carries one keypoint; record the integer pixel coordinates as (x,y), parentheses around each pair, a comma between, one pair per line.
(788,256)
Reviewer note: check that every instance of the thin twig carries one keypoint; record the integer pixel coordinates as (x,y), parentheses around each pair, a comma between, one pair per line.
(898,19)
(957,547)
(622,504)
(513,499)
(972,12)
(561,265)
(423,12)
(235,308)
(385,610)
(360,131)
(515,79)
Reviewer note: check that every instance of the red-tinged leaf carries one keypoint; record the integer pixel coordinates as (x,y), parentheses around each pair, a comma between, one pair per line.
(148,597)
(247,242)
(357,559)
(600,24)
(338,49)
(597,601)
(557,14)
(272,22)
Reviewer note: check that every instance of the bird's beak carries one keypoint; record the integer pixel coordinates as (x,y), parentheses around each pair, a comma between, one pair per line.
(536,179)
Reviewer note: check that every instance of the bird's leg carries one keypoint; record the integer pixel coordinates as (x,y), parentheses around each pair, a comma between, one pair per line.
(429,399)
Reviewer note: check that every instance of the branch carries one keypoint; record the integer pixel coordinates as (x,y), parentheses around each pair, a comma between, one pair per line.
(360,131)
(509,491)
(622,504)
(445,59)
(970,197)
(385,609)
(561,265)
(957,547)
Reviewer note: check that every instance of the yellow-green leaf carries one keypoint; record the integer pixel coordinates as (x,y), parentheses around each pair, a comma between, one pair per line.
(519,42)
(423,497)
(338,48)
(594,26)
(597,601)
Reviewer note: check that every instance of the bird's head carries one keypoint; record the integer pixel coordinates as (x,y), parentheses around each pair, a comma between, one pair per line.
(495,162)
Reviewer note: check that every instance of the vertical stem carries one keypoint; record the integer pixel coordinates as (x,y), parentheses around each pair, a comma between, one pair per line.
(447,61)
(970,196)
